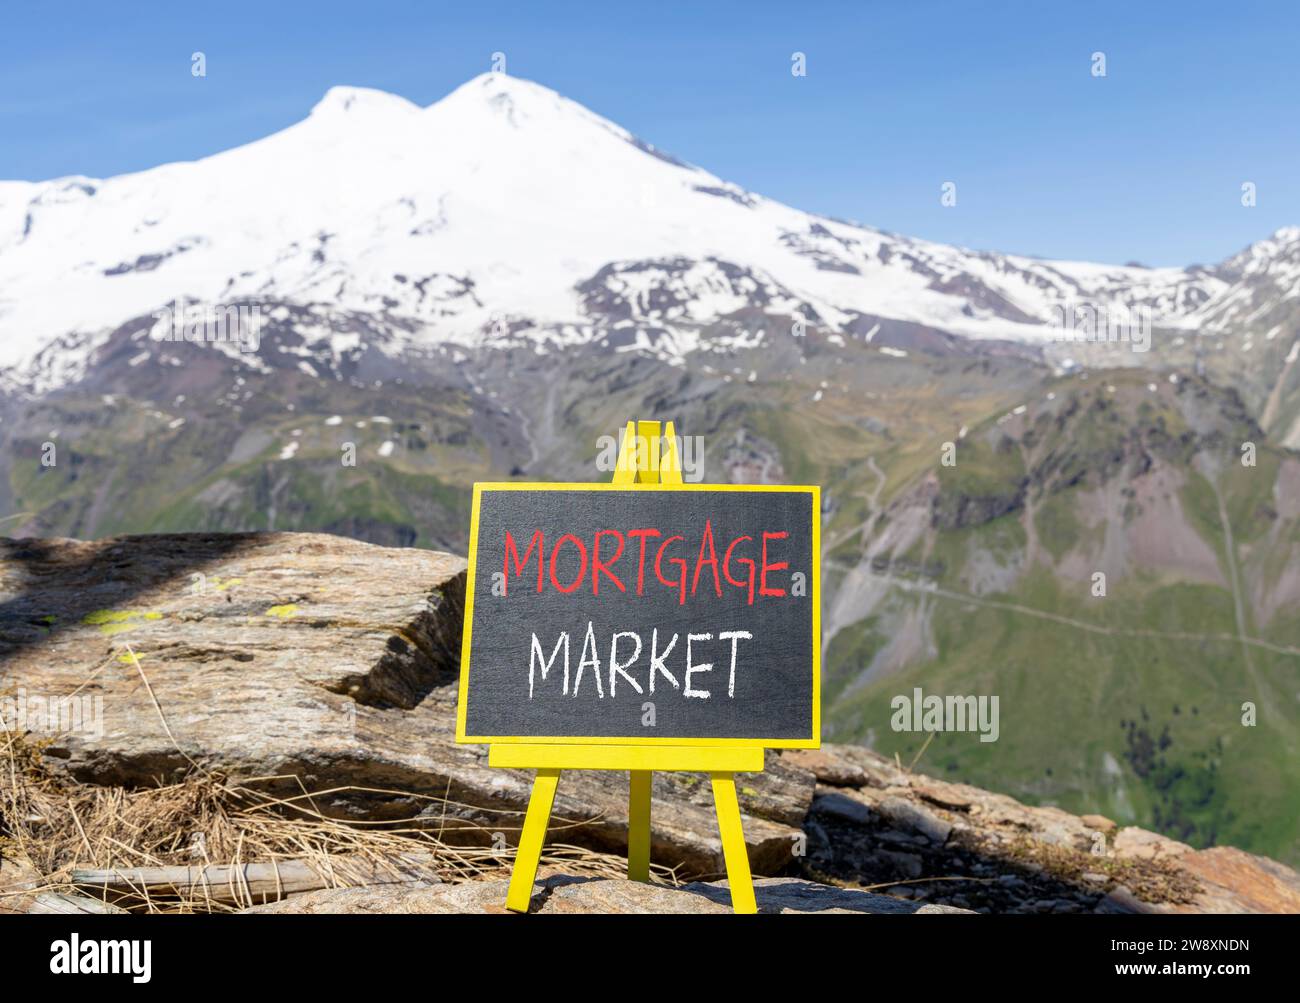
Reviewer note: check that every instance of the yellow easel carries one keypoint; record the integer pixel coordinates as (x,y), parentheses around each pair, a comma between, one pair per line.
(650,459)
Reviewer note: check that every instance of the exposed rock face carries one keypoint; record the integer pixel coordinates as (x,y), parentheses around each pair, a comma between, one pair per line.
(954,510)
(260,648)
(312,656)
(559,895)
(333,662)
(873,823)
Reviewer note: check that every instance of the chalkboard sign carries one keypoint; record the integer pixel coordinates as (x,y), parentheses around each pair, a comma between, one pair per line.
(644,614)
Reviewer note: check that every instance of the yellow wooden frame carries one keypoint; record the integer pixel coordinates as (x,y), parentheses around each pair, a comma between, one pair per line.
(721,758)
(811,741)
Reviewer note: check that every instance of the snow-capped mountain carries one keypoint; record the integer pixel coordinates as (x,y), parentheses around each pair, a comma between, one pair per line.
(503,210)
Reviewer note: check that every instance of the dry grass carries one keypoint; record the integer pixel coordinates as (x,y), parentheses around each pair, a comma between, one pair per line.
(1150,880)
(56,825)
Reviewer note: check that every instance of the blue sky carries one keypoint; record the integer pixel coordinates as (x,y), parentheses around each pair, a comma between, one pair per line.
(1144,164)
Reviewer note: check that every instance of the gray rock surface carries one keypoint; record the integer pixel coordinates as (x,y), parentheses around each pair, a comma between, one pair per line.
(558,895)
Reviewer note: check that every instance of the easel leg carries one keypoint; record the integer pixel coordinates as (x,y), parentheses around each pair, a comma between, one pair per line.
(733,843)
(531,839)
(638,825)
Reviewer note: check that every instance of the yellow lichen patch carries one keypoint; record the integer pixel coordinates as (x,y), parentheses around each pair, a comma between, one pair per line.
(102,616)
(283,612)
(221,584)
(115,621)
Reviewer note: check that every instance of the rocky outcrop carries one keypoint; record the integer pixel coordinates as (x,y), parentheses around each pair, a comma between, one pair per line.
(875,824)
(318,659)
(559,894)
(330,665)
(952,510)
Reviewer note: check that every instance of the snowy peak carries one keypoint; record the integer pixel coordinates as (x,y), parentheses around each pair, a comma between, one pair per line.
(516,102)
(503,115)
(355,102)
(498,92)
(1263,256)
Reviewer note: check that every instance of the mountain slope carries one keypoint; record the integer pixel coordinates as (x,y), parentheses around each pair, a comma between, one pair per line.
(980,579)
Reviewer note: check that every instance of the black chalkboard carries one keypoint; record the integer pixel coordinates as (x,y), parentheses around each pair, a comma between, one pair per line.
(642,586)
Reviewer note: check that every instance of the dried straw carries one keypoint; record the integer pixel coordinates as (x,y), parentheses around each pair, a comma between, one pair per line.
(57,825)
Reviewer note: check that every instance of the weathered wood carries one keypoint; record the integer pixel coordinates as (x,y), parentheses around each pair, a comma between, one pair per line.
(62,904)
(251,883)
